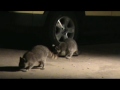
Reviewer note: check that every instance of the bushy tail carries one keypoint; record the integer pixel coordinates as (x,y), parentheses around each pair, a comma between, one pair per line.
(52,55)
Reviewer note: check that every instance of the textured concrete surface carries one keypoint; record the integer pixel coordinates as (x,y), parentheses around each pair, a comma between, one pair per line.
(95,62)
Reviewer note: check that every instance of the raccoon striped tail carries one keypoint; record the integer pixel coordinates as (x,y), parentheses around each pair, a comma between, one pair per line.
(52,55)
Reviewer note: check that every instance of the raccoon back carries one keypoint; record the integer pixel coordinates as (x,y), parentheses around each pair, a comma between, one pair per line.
(71,44)
(29,56)
(37,49)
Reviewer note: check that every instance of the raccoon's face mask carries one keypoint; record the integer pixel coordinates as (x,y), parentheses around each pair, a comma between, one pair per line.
(22,63)
(57,48)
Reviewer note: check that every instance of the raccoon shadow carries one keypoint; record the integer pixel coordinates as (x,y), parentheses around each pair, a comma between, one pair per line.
(9,68)
(14,68)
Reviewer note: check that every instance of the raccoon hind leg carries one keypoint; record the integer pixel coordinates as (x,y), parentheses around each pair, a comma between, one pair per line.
(43,63)
(40,63)
(69,54)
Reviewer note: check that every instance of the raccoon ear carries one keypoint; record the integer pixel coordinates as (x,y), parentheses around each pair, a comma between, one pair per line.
(21,59)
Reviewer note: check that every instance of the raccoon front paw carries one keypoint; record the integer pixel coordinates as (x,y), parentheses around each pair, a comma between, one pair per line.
(25,70)
(67,57)
(42,68)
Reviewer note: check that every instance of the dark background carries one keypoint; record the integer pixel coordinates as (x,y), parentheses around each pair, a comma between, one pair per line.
(94,31)
(24,41)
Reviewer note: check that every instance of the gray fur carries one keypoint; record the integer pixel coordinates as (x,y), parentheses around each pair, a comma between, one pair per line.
(38,54)
(69,46)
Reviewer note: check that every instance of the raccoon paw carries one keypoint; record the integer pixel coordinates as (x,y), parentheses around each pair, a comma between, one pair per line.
(25,70)
(67,57)
(42,68)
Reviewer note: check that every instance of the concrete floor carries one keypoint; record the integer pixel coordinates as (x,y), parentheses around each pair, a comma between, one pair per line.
(95,62)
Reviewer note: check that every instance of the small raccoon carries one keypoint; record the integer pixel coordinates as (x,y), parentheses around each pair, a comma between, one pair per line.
(69,46)
(38,54)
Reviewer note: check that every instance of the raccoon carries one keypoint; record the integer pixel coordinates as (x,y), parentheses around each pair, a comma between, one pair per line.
(69,46)
(45,49)
(38,54)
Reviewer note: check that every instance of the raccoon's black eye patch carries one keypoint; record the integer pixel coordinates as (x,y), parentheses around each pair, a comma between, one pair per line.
(56,48)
